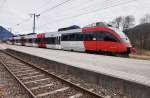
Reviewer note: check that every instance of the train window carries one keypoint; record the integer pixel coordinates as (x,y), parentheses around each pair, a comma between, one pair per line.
(65,37)
(37,40)
(47,40)
(88,36)
(23,40)
(53,40)
(30,40)
(79,36)
(33,40)
(50,40)
(41,39)
(105,36)
(110,37)
(102,35)
(57,39)
(72,37)
(17,40)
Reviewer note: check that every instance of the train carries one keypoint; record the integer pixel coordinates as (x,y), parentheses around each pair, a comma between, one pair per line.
(96,37)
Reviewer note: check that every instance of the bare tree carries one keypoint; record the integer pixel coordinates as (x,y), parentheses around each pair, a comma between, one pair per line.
(145,19)
(124,22)
(128,22)
(117,22)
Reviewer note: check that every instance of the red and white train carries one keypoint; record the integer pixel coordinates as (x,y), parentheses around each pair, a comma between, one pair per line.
(102,39)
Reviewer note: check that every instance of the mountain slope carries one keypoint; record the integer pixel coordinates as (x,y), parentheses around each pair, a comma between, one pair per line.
(140,36)
(4,34)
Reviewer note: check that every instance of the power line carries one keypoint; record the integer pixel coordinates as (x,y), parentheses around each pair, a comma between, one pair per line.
(108,1)
(49,9)
(97,10)
(81,9)
(74,16)
(42,6)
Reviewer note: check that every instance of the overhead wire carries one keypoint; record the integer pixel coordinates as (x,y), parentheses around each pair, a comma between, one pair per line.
(89,12)
(87,6)
(108,1)
(73,16)
(51,8)
(42,6)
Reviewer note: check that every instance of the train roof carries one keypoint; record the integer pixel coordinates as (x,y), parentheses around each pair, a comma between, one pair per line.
(31,33)
(69,28)
(104,24)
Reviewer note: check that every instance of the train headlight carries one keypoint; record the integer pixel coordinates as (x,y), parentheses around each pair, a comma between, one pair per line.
(125,40)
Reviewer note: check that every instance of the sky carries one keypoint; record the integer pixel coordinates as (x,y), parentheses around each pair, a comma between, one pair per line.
(16,14)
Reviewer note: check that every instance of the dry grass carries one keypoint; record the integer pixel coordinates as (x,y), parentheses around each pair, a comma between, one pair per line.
(141,54)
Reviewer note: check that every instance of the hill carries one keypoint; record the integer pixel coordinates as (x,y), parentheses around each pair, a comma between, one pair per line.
(4,34)
(140,36)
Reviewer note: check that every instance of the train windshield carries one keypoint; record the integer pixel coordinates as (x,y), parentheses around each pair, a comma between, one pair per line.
(122,35)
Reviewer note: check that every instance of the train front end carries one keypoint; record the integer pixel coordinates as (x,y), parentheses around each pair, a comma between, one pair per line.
(125,44)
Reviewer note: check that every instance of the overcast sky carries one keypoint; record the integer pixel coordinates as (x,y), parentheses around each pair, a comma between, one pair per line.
(74,12)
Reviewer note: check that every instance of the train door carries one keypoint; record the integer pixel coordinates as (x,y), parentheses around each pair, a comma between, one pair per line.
(90,41)
(40,37)
(22,41)
(13,41)
(113,43)
(58,42)
(106,41)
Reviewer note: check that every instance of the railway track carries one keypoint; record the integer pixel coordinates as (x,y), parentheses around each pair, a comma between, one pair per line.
(40,83)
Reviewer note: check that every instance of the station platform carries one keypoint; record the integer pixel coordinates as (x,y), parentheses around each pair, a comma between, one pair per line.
(123,68)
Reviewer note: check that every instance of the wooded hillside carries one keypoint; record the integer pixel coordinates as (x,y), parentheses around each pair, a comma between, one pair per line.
(140,36)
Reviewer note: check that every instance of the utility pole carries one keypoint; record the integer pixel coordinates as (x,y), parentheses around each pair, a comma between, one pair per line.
(34,20)
(34,23)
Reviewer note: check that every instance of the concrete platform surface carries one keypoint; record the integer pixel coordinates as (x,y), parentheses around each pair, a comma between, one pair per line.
(124,68)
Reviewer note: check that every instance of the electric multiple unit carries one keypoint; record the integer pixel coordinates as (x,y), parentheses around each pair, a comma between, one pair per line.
(103,39)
